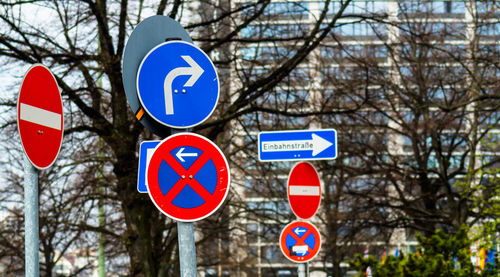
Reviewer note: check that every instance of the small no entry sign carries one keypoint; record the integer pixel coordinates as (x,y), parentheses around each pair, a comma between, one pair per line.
(188,177)
(304,190)
(40,116)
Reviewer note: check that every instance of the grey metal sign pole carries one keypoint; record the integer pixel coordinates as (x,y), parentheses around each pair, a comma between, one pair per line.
(31,219)
(185,239)
(147,35)
(302,270)
(187,249)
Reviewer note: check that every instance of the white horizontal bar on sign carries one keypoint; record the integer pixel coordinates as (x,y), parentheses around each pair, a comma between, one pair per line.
(40,116)
(304,190)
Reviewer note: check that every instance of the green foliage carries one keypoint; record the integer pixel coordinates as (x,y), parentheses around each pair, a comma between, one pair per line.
(439,255)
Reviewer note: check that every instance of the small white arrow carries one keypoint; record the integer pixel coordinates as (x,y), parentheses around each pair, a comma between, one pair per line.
(317,144)
(298,231)
(180,154)
(194,70)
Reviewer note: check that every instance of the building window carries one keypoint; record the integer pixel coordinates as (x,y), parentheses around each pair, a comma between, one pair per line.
(274,31)
(266,53)
(288,9)
(432,7)
(487,7)
(252,233)
(491,142)
(362,29)
(489,29)
(270,232)
(272,254)
(359,7)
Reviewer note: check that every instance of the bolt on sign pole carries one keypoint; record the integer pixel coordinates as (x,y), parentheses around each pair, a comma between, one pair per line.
(31,218)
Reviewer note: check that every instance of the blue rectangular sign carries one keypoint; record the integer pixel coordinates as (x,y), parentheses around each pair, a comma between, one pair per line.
(298,145)
(145,152)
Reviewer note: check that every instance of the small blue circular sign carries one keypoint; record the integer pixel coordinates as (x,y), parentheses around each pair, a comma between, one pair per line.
(177,84)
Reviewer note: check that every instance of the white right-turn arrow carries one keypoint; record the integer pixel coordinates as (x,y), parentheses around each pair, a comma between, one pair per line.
(194,70)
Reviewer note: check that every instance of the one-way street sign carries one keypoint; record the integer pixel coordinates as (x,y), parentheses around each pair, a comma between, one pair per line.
(298,145)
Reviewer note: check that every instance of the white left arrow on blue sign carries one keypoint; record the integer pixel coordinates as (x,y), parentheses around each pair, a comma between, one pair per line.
(180,154)
(299,231)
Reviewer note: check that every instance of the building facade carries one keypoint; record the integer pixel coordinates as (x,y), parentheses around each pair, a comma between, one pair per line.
(402,83)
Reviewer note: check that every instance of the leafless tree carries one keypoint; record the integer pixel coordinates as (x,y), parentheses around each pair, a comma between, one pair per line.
(412,106)
(83,42)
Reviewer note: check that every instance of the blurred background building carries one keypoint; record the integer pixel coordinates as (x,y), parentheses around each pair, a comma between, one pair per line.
(412,88)
(398,80)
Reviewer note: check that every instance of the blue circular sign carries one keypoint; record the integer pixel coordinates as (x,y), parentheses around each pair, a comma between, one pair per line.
(177,84)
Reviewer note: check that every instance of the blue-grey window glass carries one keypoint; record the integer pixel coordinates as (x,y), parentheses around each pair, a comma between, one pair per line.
(284,30)
(270,232)
(272,254)
(249,31)
(274,31)
(287,8)
(455,161)
(248,53)
(252,251)
(457,7)
(407,144)
(433,7)
(489,29)
(256,73)
(252,232)
(267,53)
(487,7)
(491,142)
(359,29)
(363,7)
(493,119)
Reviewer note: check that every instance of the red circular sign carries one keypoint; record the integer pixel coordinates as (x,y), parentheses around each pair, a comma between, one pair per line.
(304,190)
(40,116)
(300,241)
(188,177)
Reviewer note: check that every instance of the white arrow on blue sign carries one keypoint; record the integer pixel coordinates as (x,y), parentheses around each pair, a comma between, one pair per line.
(177,84)
(298,145)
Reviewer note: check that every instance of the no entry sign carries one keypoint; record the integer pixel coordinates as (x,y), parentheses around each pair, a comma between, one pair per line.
(300,241)
(188,177)
(304,190)
(40,116)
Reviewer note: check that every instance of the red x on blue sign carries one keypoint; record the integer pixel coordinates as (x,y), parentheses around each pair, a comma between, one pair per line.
(188,177)
(300,241)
